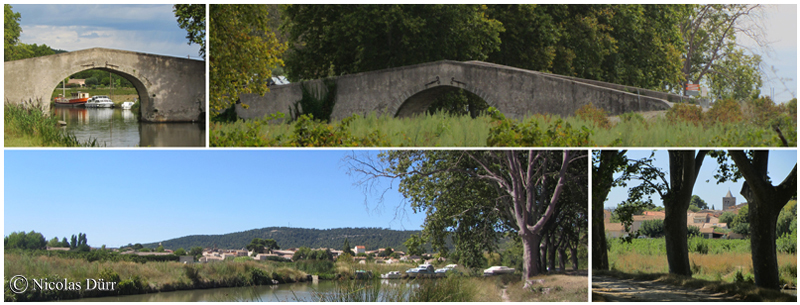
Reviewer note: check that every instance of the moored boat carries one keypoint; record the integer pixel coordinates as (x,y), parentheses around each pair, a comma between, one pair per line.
(127,105)
(391,275)
(99,101)
(497,270)
(78,100)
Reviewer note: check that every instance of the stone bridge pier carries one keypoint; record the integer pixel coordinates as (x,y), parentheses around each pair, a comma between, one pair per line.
(170,89)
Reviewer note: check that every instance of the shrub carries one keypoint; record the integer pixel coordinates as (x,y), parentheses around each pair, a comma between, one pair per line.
(685,112)
(724,111)
(596,115)
(555,133)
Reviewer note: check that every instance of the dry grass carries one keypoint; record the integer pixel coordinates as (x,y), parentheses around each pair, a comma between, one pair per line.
(714,267)
(563,288)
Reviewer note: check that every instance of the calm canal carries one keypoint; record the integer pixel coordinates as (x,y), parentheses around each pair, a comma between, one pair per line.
(116,127)
(296,292)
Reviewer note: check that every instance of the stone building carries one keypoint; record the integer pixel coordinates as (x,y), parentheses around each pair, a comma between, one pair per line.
(728,201)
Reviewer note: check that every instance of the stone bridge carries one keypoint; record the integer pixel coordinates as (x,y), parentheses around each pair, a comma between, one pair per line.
(409,90)
(171,89)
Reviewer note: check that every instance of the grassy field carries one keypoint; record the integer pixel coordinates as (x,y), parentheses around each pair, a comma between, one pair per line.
(712,260)
(728,124)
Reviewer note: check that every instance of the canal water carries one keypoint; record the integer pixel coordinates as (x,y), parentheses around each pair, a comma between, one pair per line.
(296,292)
(116,127)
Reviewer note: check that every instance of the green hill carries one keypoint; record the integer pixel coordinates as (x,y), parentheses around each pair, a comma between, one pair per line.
(372,238)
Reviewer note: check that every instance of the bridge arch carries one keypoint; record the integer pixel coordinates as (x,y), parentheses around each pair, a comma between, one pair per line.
(170,89)
(416,100)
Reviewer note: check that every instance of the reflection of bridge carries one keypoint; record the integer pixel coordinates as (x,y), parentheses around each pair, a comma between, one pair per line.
(170,89)
(409,90)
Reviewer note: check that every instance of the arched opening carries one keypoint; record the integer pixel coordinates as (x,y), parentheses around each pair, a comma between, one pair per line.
(448,99)
(110,124)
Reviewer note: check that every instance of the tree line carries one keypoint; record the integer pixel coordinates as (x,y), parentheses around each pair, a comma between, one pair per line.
(765,200)
(372,238)
(659,47)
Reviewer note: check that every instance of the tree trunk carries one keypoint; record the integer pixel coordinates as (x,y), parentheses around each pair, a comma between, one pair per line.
(551,255)
(764,204)
(544,244)
(684,167)
(574,253)
(762,242)
(562,258)
(603,177)
(530,255)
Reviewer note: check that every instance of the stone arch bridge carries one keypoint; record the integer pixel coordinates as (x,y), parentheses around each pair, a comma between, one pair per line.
(409,90)
(171,89)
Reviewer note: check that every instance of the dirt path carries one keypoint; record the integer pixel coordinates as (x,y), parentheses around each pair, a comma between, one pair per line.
(622,290)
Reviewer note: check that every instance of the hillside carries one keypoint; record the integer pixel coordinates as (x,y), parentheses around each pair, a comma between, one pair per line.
(372,238)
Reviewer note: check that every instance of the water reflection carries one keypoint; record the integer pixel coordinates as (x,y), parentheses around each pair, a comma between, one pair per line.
(115,127)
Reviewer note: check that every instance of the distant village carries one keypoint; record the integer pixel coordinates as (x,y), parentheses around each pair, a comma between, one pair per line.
(706,220)
(215,254)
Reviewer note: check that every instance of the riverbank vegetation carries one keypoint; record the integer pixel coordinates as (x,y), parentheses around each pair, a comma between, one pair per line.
(27,125)
(749,123)
(150,276)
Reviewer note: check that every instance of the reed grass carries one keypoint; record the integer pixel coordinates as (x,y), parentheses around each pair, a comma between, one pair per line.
(28,125)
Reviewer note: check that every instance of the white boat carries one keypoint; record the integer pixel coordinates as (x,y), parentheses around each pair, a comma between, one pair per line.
(497,270)
(424,270)
(441,272)
(127,105)
(391,275)
(99,101)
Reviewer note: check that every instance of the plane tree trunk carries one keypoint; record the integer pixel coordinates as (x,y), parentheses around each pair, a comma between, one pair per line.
(765,202)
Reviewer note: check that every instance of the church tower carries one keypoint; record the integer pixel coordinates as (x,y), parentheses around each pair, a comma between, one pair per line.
(728,201)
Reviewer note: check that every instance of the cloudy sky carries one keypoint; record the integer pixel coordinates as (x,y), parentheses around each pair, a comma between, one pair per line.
(142,28)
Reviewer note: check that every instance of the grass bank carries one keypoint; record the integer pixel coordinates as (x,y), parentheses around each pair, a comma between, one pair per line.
(135,278)
(756,123)
(26,125)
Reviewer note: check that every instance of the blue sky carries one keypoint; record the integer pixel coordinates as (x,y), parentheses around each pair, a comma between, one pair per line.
(149,28)
(781,163)
(118,197)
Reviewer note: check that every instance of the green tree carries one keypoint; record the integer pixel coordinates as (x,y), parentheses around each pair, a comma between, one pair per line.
(346,247)
(329,40)
(73,242)
(192,18)
(736,76)
(11,32)
(709,33)
(698,202)
(180,252)
(741,220)
(414,245)
(258,245)
(692,231)
(787,219)
(243,51)
(54,242)
(528,185)
(160,248)
(637,45)
(652,228)
(727,217)
(27,241)
(196,251)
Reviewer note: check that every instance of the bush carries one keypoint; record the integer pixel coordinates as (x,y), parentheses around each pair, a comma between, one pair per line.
(133,285)
(724,111)
(596,115)
(556,132)
(686,113)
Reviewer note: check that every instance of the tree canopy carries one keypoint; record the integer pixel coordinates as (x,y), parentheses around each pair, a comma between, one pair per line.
(484,193)
(192,18)
(243,51)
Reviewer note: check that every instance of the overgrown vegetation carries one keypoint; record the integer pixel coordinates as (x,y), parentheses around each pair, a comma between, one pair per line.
(711,259)
(752,123)
(27,125)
